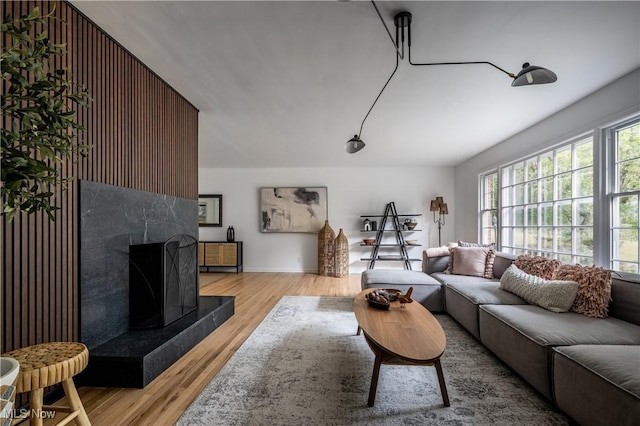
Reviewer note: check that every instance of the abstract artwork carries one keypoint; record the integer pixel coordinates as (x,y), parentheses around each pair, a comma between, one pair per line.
(293,209)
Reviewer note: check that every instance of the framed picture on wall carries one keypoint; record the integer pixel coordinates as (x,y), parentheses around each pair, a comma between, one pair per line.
(293,209)
(210,210)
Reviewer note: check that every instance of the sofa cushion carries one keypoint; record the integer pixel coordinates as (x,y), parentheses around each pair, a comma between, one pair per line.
(539,266)
(462,300)
(434,264)
(485,293)
(625,297)
(554,295)
(385,277)
(426,290)
(594,288)
(523,336)
(474,261)
(553,329)
(595,385)
(450,279)
(501,263)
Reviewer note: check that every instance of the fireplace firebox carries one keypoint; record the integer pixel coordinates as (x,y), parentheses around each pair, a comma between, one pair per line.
(163,281)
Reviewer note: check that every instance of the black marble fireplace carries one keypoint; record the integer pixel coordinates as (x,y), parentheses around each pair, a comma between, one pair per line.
(130,345)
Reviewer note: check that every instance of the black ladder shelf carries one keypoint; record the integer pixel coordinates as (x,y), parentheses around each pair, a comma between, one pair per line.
(390,212)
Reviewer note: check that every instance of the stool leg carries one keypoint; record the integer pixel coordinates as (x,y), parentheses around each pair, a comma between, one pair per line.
(75,402)
(35,405)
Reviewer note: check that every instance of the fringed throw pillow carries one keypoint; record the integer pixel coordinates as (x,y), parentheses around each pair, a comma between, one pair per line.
(594,288)
(539,266)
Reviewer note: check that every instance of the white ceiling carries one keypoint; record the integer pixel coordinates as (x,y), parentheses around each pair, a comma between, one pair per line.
(286,84)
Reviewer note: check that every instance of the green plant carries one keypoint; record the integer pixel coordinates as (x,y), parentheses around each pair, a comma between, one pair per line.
(39,130)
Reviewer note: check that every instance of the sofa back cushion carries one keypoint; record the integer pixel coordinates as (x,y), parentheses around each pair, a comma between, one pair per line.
(431,264)
(501,263)
(625,297)
(434,264)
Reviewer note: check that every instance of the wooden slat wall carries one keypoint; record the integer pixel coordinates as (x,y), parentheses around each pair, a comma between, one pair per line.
(144,136)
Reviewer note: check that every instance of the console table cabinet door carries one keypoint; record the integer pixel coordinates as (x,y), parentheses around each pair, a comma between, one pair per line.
(220,254)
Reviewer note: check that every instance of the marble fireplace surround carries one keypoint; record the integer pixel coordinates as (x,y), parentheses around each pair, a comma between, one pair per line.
(111,219)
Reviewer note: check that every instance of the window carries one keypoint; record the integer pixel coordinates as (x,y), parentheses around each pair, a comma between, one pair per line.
(547,204)
(625,197)
(489,208)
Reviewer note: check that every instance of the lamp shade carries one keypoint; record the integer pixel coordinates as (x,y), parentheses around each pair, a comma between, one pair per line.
(434,207)
(531,74)
(444,209)
(354,145)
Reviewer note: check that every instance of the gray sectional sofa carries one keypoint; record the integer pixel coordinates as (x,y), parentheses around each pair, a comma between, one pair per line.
(589,367)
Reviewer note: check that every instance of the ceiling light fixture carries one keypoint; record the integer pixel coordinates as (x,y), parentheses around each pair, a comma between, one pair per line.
(529,75)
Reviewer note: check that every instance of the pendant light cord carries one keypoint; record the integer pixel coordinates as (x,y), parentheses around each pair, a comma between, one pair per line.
(378,97)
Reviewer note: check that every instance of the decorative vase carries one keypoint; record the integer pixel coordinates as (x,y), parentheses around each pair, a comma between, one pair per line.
(231,234)
(341,255)
(326,238)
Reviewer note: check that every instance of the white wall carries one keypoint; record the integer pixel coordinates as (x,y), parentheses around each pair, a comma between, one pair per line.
(613,102)
(351,192)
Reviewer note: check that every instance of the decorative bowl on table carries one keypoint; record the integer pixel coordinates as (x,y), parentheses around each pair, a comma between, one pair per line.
(378,299)
(369,241)
(411,225)
(392,293)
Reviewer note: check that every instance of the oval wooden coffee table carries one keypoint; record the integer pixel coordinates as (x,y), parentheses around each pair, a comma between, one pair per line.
(401,336)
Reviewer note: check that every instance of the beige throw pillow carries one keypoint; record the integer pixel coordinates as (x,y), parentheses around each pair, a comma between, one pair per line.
(553,295)
(437,251)
(468,244)
(472,261)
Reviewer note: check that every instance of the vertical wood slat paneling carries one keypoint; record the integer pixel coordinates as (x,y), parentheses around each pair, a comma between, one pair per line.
(144,136)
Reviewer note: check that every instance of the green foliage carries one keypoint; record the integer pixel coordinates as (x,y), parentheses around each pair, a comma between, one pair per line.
(629,157)
(40,130)
(629,173)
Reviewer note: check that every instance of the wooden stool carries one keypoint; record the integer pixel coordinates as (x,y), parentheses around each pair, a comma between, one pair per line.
(47,364)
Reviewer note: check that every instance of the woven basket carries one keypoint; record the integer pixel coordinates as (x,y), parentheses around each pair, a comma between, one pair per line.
(326,238)
(341,255)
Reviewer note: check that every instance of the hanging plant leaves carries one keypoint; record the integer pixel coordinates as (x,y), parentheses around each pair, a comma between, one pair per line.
(39,105)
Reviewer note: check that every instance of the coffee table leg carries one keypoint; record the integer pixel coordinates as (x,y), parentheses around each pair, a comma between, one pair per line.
(443,385)
(374,379)
(359,330)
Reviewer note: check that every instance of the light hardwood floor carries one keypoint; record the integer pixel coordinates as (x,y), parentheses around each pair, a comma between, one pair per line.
(165,399)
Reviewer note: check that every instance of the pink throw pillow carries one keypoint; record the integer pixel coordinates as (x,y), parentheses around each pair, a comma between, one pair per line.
(472,261)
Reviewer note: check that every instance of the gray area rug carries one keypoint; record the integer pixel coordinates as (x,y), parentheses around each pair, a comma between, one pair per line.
(304,365)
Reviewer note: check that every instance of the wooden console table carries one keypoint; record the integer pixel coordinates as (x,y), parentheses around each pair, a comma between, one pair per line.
(220,254)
